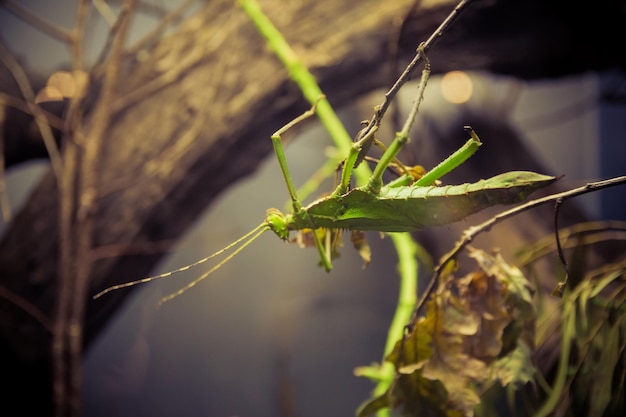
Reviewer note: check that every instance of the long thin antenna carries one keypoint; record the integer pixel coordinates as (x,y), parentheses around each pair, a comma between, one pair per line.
(261,229)
(257,231)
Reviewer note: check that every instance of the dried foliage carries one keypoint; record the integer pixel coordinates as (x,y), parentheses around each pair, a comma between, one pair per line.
(478,330)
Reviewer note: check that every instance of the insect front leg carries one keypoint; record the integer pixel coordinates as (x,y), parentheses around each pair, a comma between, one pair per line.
(282,160)
(361,143)
(293,195)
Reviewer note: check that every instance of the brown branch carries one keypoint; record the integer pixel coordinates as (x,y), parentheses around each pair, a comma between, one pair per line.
(586,233)
(65,364)
(31,109)
(105,11)
(29,97)
(5,206)
(469,234)
(37,22)
(78,193)
(164,23)
(78,35)
(410,68)
(27,307)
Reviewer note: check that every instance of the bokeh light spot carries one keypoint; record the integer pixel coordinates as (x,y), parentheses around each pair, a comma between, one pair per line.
(456,87)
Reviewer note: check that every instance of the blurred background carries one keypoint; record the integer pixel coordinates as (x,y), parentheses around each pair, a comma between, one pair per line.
(272,334)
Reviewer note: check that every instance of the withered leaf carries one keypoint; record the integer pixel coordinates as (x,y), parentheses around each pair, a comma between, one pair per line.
(477,330)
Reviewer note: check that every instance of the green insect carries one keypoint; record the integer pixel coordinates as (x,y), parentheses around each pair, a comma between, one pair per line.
(397,207)
(402,205)
(406,204)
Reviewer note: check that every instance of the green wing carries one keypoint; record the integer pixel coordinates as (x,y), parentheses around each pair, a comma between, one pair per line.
(406,209)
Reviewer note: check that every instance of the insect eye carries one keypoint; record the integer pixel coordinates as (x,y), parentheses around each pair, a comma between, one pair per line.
(276,221)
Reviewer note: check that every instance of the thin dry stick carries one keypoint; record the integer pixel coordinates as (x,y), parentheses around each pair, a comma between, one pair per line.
(170,75)
(561,287)
(66,354)
(27,307)
(586,233)
(105,11)
(469,234)
(78,35)
(78,189)
(5,206)
(37,22)
(114,23)
(417,59)
(32,109)
(18,73)
(157,32)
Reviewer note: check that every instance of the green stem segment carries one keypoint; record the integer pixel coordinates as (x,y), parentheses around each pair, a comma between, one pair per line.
(300,74)
(407,297)
(403,242)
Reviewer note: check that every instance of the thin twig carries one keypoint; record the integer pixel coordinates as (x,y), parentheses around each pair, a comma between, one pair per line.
(74,112)
(78,35)
(32,109)
(417,59)
(26,89)
(27,307)
(105,11)
(77,203)
(561,286)
(37,22)
(469,234)
(173,73)
(66,371)
(587,233)
(5,206)
(157,32)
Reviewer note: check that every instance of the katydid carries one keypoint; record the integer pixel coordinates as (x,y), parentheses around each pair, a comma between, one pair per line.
(395,207)
(403,205)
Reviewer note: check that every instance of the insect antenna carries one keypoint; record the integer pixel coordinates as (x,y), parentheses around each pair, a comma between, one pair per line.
(246,239)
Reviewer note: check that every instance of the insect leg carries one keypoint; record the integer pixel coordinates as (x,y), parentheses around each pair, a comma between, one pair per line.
(280,154)
(402,137)
(282,162)
(452,161)
(363,139)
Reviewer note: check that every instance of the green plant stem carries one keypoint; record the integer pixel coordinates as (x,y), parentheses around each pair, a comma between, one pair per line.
(403,242)
(568,329)
(407,297)
(305,80)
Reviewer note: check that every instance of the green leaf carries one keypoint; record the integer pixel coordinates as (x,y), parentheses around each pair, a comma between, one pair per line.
(516,368)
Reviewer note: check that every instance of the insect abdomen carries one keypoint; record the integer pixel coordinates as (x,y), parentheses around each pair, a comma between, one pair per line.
(403,209)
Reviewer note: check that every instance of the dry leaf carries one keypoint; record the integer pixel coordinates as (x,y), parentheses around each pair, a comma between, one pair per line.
(64,84)
(477,330)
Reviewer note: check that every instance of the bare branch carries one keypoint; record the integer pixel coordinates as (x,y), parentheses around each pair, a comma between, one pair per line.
(105,11)
(77,203)
(5,207)
(157,32)
(29,97)
(78,35)
(31,109)
(469,234)
(417,59)
(37,22)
